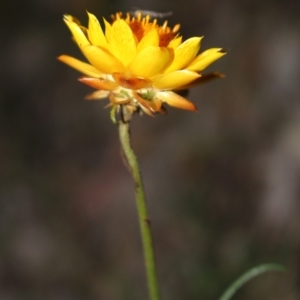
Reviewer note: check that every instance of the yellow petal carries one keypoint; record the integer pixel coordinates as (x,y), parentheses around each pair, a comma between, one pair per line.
(185,53)
(96,35)
(174,79)
(175,100)
(175,42)
(99,84)
(102,60)
(80,66)
(150,39)
(206,58)
(77,32)
(151,61)
(108,30)
(72,19)
(122,43)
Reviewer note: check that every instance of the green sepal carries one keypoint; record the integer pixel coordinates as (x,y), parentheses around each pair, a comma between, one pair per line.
(113,114)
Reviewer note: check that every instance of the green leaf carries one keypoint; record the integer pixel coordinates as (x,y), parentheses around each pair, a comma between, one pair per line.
(248,276)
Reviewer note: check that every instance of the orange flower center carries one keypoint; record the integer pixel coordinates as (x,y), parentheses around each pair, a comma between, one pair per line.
(140,26)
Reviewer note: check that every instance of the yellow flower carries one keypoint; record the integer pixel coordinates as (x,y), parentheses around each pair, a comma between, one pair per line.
(138,63)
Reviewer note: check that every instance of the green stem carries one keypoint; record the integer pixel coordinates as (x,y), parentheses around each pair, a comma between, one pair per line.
(144,220)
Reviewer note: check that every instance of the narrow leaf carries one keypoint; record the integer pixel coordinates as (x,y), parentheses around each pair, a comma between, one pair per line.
(248,276)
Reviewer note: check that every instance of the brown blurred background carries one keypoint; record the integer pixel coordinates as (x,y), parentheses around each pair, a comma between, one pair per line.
(222,183)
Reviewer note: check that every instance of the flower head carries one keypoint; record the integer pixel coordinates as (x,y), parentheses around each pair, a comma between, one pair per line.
(137,64)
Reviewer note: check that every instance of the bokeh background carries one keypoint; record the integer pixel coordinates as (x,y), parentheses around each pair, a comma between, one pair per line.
(222,183)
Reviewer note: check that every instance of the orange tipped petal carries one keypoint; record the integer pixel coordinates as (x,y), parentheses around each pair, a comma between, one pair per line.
(156,105)
(98,95)
(102,60)
(118,100)
(151,61)
(133,83)
(175,100)
(174,80)
(203,79)
(99,84)
(152,105)
(147,111)
(80,66)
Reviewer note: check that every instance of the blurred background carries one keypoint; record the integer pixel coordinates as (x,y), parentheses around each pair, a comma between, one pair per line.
(222,183)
